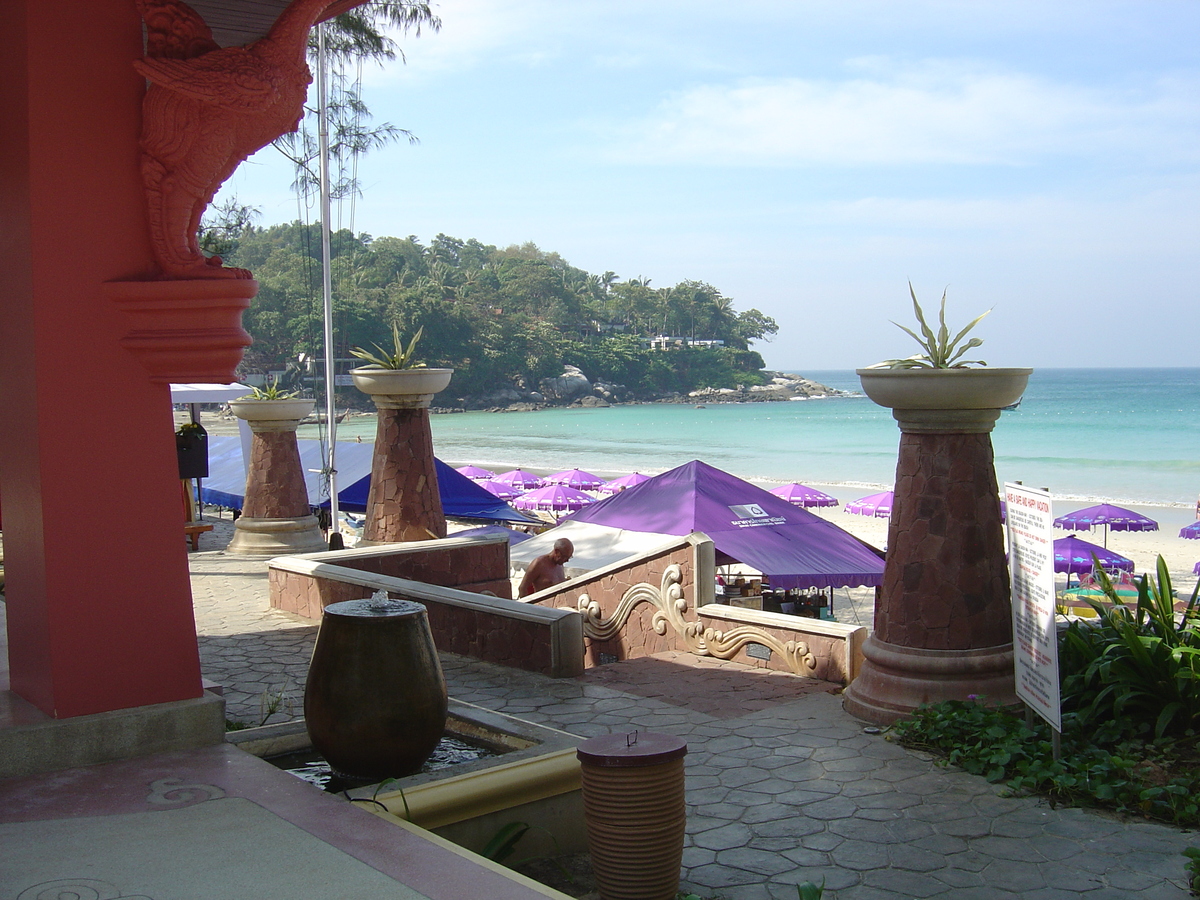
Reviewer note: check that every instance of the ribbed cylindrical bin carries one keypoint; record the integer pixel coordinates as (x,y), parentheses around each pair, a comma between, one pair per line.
(633,806)
(375,701)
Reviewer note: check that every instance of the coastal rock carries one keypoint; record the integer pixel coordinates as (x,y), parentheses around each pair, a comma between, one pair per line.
(570,384)
(591,401)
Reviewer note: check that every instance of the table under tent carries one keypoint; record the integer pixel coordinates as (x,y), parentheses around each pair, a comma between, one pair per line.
(798,555)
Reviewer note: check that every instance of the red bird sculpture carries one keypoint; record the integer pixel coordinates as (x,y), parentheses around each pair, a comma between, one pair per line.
(206,109)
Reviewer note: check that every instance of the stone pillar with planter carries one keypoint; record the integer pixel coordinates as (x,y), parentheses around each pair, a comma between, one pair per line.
(403,503)
(943,624)
(276,518)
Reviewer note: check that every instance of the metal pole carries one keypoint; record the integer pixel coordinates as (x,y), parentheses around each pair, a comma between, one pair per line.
(335,532)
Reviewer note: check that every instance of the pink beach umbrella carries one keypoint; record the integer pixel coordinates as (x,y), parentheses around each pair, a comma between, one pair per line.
(554,498)
(475,473)
(523,481)
(623,483)
(878,505)
(576,478)
(803,495)
(500,489)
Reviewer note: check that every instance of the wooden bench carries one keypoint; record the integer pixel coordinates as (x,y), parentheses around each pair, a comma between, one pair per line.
(193,530)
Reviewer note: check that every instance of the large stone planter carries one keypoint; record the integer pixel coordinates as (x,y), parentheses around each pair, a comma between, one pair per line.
(943,625)
(276,518)
(403,503)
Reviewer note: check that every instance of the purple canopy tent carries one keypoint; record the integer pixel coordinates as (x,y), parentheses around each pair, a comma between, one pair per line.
(475,473)
(1073,555)
(1115,517)
(795,548)
(803,495)
(1191,532)
(514,537)
(878,505)
(554,498)
(577,479)
(524,481)
(623,483)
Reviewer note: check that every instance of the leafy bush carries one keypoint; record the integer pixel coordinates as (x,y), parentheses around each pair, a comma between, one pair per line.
(1158,778)
(1135,672)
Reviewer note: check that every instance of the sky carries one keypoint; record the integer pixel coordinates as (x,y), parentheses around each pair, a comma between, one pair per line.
(809,159)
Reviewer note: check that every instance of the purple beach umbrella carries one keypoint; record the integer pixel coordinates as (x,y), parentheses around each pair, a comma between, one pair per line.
(878,505)
(475,473)
(1196,569)
(1191,532)
(576,478)
(624,482)
(803,495)
(500,489)
(1115,517)
(554,498)
(1073,555)
(523,481)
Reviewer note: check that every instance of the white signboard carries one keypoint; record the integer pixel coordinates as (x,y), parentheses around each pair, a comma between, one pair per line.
(1031,564)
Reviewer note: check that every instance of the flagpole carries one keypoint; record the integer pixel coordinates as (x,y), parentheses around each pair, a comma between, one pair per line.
(335,531)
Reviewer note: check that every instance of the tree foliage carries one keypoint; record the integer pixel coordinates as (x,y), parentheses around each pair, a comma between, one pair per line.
(499,316)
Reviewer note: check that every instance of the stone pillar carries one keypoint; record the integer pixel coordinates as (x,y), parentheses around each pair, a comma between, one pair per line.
(276,518)
(404,503)
(943,624)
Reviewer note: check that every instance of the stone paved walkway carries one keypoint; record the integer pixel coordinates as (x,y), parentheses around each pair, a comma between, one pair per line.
(782,785)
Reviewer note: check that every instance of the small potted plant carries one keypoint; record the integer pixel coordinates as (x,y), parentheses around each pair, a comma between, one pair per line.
(398,372)
(939,378)
(272,404)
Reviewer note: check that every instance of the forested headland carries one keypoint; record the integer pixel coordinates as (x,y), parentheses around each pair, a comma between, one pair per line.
(504,318)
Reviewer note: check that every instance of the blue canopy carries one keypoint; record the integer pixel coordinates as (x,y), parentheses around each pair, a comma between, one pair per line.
(461,497)
(747,524)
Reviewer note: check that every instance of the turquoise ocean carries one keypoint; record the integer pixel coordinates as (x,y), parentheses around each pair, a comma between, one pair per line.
(1131,436)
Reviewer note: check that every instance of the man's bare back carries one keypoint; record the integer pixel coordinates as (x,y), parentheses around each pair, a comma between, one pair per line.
(547,570)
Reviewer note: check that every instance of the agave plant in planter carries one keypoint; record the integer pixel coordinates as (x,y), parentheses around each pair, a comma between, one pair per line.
(397,372)
(939,378)
(271,403)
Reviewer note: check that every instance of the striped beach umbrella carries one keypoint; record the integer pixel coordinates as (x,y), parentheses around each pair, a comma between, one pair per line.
(803,495)
(524,481)
(576,478)
(878,505)
(475,473)
(623,483)
(554,498)
(1115,517)
(500,489)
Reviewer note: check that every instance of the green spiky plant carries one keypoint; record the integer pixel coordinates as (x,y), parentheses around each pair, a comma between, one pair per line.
(270,391)
(400,356)
(941,352)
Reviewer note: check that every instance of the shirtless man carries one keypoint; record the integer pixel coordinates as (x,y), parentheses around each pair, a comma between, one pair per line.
(547,570)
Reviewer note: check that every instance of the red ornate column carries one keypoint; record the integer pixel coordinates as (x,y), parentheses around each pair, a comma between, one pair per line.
(943,626)
(403,503)
(276,518)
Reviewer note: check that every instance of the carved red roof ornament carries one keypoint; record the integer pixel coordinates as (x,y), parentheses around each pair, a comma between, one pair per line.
(206,109)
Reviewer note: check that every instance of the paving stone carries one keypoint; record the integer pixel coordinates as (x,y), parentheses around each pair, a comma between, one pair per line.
(822,840)
(856,829)
(834,808)
(723,838)
(1015,876)
(794,827)
(718,876)
(914,859)
(909,884)
(1007,848)
(860,855)
(768,812)
(755,860)
(835,879)
(943,844)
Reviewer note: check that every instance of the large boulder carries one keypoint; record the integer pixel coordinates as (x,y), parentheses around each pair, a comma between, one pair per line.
(570,384)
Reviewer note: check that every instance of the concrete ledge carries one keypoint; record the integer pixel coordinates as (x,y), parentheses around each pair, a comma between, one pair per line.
(53,744)
(495,629)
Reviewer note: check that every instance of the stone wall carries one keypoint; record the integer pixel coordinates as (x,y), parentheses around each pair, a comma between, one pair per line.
(662,601)
(495,629)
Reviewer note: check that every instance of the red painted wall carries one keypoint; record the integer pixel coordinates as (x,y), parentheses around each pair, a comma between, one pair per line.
(99,604)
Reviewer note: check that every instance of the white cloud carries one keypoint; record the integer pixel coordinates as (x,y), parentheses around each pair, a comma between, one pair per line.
(934,113)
